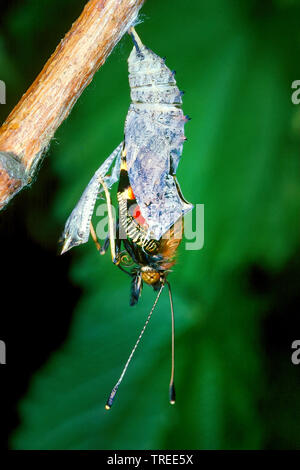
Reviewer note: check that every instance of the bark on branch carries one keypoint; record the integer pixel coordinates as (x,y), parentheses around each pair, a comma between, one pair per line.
(26,133)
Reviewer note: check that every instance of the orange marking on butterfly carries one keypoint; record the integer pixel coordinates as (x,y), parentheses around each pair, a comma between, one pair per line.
(130,193)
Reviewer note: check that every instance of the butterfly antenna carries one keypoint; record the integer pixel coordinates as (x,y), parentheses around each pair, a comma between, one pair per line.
(172,395)
(111,398)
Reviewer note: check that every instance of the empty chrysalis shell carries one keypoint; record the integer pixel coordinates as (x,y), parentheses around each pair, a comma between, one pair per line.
(154,136)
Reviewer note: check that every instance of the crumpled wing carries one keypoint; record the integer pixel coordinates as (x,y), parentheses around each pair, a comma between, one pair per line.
(77,228)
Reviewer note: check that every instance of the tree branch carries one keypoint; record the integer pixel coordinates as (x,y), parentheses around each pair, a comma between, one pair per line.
(26,133)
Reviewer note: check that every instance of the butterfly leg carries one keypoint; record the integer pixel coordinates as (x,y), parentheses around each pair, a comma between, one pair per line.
(105,246)
(110,222)
(95,238)
(102,249)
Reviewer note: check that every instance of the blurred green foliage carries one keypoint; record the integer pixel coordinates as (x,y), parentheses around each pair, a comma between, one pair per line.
(236,61)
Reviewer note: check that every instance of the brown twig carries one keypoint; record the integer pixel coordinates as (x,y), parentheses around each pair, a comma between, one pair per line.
(26,133)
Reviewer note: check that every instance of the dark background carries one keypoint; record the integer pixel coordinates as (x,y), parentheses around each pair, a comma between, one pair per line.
(66,320)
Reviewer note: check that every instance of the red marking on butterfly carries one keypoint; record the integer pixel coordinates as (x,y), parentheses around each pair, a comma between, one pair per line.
(137,215)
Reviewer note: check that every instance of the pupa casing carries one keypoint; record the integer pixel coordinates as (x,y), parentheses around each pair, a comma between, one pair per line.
(154,136)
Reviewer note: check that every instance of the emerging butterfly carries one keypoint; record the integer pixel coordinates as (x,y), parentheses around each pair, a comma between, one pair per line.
(151,204)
